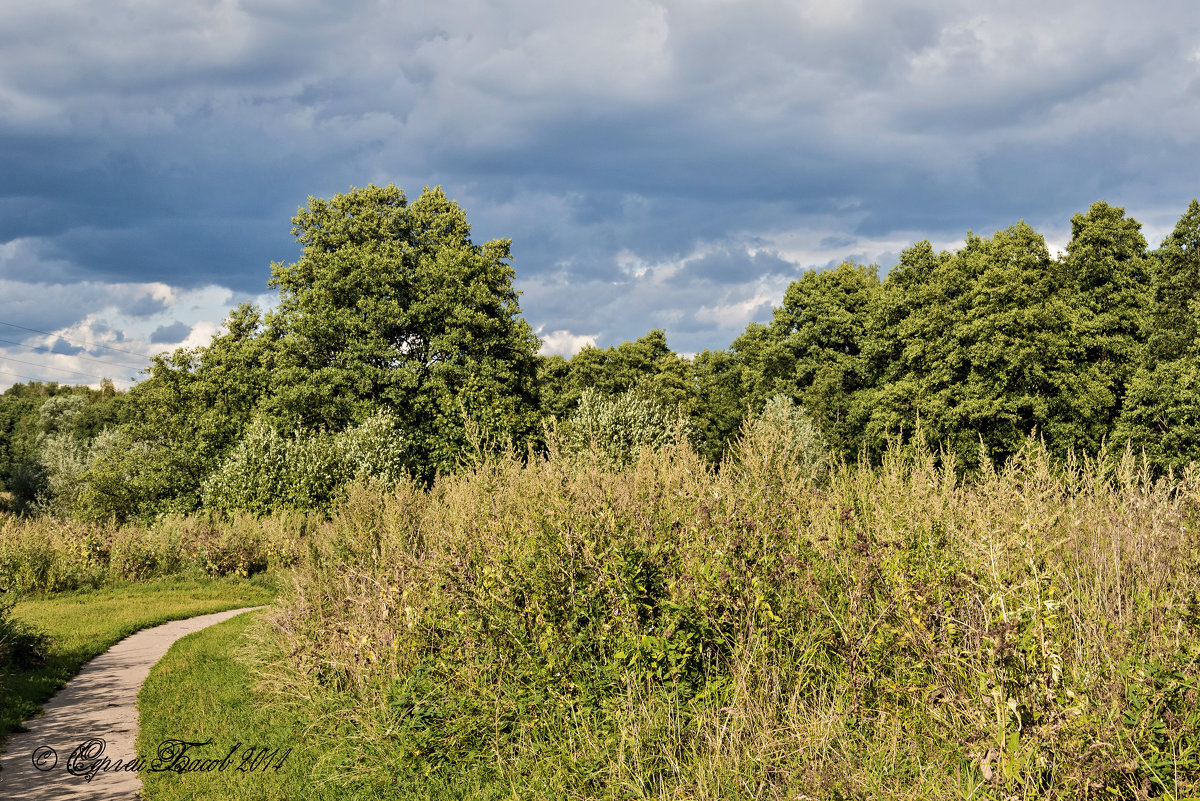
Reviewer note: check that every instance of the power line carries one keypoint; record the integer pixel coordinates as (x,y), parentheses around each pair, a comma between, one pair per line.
(46,349)
(48,367)
(60,336)
(22,375)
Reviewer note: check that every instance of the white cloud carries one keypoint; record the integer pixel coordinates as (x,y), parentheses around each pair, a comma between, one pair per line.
(112,339)
(564,343)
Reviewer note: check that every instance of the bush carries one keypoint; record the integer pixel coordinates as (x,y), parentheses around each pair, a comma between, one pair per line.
(22,647)
(559,628)
(618,430)
(268,471)
(782,440)
(46,555)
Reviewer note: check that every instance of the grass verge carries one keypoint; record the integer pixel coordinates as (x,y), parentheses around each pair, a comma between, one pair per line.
(203,691)
(81,625)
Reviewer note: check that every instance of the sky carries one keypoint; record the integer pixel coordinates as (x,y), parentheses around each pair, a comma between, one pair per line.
(669,165)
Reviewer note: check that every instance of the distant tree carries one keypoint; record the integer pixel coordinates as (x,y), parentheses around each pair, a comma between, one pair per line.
(181,421)
(1175,289)
(985,346)
(390,306)
(46,435)
(1107,259)
(1160,415)
(903,342)
(647,362)
(20,429)
(393,305)
(812,351)
(721,400)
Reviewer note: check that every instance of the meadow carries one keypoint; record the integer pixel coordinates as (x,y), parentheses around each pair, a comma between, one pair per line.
(559,626)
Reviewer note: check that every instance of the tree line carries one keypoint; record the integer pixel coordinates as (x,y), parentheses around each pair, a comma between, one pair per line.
(398,345)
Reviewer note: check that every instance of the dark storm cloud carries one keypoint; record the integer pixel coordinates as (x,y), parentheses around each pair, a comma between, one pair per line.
(145,306)
(727,266)
(170,334)
(65,348)
(637,152)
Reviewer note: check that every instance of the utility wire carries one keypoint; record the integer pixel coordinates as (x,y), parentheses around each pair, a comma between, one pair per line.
(48,367)
(60,336)
(46,349)
(21,375)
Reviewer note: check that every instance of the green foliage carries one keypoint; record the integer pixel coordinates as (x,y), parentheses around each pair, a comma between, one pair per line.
(20,428)
(63,460)
(1162,717)
(392,305)
(1175,311)
(22,646)
(26,482)
(1112,271)
(46,436)
(646,363)
(782,441)
(813,350)
(983,345)
(184,418)
(268,471)
(719,377)
(1162,414)
(574,630)
(45,555)
(129,478)
(620,429)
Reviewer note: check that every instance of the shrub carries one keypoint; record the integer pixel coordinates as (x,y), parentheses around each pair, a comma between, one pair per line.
(617,430)
(782,440)
(560,628)
(22,646)
(268,471)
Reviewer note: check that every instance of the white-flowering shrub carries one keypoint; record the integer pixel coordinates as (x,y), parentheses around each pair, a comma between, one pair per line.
(62,459)
(377,448)
(268,470)
(63,462)
(58,414)
(782,439)
(618,429)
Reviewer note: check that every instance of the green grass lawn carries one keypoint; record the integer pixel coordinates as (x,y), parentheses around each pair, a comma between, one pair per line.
(81,625)
(203,690)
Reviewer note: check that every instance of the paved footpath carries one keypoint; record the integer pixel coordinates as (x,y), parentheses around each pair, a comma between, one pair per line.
(98,704)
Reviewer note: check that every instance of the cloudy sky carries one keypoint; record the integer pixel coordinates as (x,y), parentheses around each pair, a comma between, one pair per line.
(658,164)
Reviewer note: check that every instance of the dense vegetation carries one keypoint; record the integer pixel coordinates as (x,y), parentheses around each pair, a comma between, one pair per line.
(392,310)
(564,629)
(930,535)
(565,626)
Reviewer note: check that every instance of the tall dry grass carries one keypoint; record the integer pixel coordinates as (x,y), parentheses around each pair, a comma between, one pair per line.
(558,629)
(51,555)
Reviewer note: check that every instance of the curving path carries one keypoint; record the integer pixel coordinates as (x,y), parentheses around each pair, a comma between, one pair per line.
(99,703)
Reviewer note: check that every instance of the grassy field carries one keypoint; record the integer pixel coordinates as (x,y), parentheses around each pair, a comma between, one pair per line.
(82,624)
(202,690)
